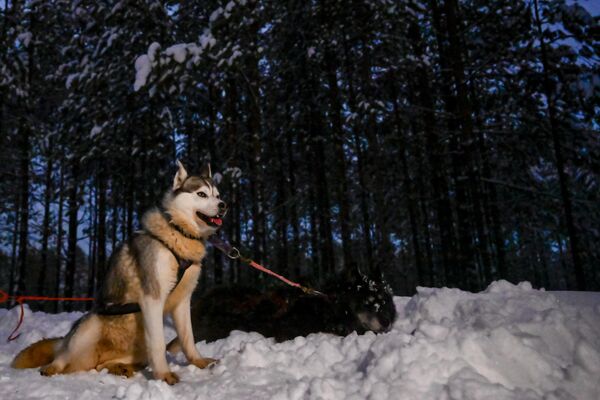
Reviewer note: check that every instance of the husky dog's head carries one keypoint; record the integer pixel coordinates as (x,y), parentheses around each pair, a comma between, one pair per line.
(194,202)
(367,299)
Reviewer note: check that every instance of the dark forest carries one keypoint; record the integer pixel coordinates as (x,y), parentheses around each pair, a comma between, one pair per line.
(445,142)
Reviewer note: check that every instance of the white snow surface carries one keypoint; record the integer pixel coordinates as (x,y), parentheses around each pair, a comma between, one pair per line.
(507,342)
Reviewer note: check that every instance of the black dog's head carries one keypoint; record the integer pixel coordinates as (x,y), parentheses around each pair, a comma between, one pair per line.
(366,300)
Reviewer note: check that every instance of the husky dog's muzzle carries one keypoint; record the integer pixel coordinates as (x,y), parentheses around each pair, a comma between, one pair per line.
(216,220)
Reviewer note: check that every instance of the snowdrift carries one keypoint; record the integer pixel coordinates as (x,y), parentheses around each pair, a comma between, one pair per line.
(507,342)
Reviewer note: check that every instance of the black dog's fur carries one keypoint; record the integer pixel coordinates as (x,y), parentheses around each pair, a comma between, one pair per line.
(356,303)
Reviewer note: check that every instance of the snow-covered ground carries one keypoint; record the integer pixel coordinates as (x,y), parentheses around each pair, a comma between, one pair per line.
(507,342)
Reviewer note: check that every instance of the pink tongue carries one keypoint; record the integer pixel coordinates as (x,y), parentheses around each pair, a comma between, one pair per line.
(216,221)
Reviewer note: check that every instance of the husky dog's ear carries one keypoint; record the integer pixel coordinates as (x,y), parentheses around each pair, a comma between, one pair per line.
(180,176)
(206,172)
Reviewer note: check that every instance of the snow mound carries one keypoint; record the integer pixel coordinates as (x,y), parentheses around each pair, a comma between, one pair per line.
(507,342)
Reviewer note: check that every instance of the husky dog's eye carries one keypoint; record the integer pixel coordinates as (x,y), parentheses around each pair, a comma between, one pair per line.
(218,197)
(202,194)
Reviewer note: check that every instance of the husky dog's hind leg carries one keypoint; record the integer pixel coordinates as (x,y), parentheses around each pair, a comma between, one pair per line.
(77,350)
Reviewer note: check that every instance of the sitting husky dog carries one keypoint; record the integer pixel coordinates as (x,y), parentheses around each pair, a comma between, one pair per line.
(357,303)
(125,332)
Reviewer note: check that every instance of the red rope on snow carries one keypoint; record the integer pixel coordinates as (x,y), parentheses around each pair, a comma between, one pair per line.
(4,297)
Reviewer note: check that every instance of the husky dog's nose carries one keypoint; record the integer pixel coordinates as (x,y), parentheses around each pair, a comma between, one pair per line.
(222,206)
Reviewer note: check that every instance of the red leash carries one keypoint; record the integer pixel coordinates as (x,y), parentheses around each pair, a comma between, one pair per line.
(4,297)
(234,253)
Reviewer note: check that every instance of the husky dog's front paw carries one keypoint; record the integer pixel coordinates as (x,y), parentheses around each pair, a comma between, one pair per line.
(203,362)
(49,370)
(170,377)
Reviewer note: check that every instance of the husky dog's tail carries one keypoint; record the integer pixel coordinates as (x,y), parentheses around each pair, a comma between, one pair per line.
(38,354)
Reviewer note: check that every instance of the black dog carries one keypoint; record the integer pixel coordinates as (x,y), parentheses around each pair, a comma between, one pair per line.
(357,303)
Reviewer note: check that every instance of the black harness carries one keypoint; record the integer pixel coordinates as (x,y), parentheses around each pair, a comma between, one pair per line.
(184,264)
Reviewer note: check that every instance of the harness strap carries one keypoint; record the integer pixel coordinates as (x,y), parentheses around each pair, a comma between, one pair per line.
(117,309)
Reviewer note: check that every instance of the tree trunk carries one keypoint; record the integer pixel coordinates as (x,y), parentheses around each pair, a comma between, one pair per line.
(541,245)
(281,216)
(459,122)
(465,111)
(46,222)
(59,239)
(563,262)
(115,216)
(25,131)
(291,174)
(409,192)
(317,269)
(374,159)
(101,233)
(432,271)
(214,159)
(365,218)
(323,207)
(497,228)
(254,129)
(231,134)
(13,254)
(316,170)
(341,188)
(73,227)
(92,250)
(131,186)
(439,184)
(24,209)
(560,160)
(489,203)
